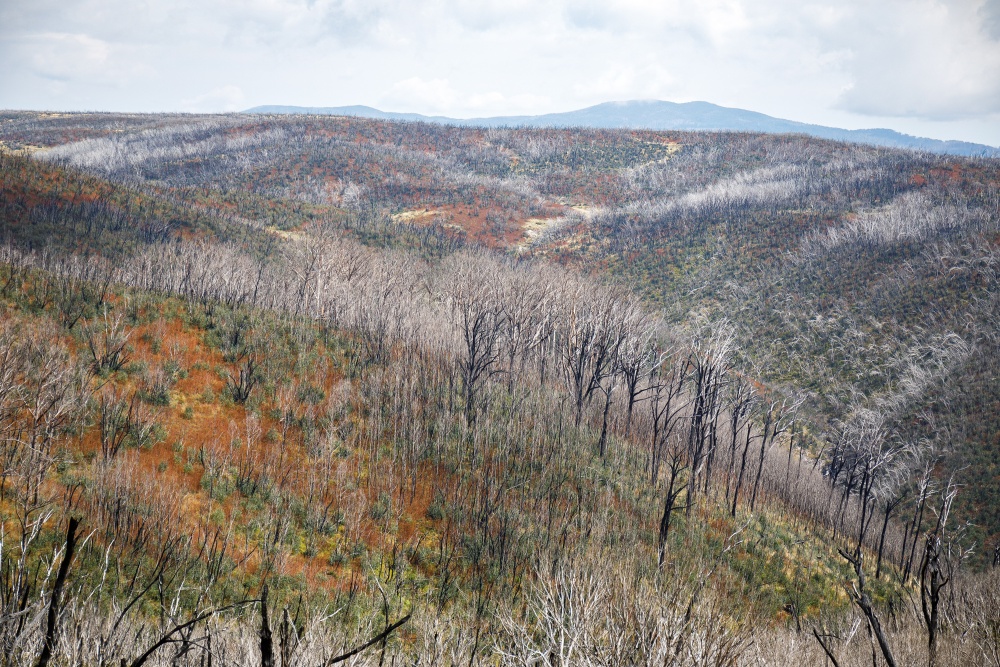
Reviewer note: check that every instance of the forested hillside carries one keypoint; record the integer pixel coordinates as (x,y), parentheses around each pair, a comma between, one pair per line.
(311,390)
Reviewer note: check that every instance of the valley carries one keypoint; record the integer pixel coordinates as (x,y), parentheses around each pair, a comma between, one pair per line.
(295,389)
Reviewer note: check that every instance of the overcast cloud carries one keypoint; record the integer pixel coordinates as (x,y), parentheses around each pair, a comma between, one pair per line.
(924,67)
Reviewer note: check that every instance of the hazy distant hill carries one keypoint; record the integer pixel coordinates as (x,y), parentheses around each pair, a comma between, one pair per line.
(658,115)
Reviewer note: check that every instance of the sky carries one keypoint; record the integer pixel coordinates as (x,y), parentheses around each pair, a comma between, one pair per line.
(924,67)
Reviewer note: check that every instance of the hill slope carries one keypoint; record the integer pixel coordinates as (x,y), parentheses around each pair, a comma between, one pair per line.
(660,115)
(445,387)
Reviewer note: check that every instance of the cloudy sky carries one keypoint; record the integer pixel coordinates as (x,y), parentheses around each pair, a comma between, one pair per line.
(926,67)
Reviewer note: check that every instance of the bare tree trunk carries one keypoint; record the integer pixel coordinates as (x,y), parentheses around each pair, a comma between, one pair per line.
(743,467)
(890,505)
(604,421)
(826,649)
(860,597)
(53,617)
(266,643)
(932,577)
(669,506)
(918,518)
(763,452)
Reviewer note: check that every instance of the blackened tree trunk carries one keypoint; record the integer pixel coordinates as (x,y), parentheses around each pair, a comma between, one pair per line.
(890,506)
(266,642)
(604,421)
(860,597)
(52,624)
(674,489)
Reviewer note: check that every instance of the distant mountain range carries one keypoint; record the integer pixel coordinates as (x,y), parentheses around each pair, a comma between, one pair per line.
(658,115)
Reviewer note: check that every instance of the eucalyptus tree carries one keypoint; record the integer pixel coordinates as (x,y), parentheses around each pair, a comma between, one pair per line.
(710,369)
(478,310)
(589,335)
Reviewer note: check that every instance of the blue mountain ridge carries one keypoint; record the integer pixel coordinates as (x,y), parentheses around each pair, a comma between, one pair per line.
(660,115)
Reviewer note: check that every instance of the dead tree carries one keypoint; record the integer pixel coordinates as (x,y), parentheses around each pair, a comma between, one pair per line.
(674,489)
(891,503)
(741,402)
(637,359)
(821,638)
(525,300)
(107,343)
(248,375)
(925,489)
(590,333)
(380,637)
(860,597)
(709,374)
(266,643)
(665,406)
(934,572)
(777,420)
(52,622)
(607,388)
(477,311)
(122,422)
